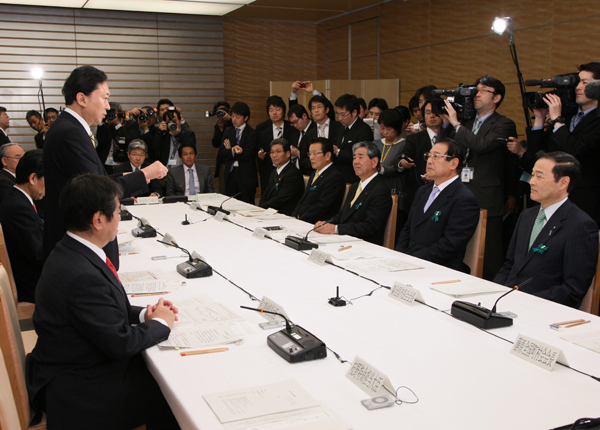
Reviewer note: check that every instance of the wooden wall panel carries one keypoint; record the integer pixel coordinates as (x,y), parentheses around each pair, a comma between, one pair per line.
(363,42)
(364,68)
(337,44)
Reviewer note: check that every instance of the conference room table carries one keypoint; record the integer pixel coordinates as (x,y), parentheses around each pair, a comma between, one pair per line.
(464,377)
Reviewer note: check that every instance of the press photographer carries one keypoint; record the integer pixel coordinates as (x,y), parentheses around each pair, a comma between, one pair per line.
(112,138)
(170,136)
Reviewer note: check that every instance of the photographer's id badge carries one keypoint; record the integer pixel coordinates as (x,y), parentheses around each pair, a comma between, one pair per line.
(467,174)
(172,162)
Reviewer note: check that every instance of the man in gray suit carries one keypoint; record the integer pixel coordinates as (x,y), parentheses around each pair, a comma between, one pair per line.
(191,178)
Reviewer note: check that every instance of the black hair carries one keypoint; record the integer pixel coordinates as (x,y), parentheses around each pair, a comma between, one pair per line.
(276,101)
(393,119)
(591,67)
(427,102)
(186,145)
(348,102)
(86,194)
(362,103)
(413,103)
(222,103)
(454,151)
(31,113)
(2,109)
(326,145)
(404,112)
(164,102)
(425,92)
(50,109)
(242,109)
(30,162)
(379,103)
(283,142)
(325,101)
(496,84)
(84,79)
(298,110)
(566,165)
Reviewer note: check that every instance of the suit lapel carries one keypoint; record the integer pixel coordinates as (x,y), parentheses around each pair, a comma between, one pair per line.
(438,203)
(359,201)
(585,121)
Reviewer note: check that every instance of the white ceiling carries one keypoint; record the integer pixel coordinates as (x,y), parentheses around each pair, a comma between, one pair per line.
(192,7)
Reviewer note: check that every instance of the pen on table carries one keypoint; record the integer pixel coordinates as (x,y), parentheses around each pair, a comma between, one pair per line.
(129,253)
(568,322)
(579,323)
(446,282)
(164,257)
(150,294)
(344,248)
(203,351)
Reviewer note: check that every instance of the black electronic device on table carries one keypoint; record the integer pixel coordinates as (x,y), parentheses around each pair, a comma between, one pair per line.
(195,267)
(212,210)
(294,344)
(175,199)
(125,214)
(302,243)
(144,229)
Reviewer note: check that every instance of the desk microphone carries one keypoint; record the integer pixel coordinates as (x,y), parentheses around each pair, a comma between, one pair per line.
(194,267)
(144,229)
(302,244)
(294,344)
(482,317)
(212,210)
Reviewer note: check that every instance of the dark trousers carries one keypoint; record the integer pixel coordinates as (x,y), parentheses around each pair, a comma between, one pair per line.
(494,249)
(237,183)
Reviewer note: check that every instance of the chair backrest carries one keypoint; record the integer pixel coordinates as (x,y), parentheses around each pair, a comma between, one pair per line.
(345,194)
(389,235)
(476,246)
(306,178)
(591,301)
(5,260)
(13,350)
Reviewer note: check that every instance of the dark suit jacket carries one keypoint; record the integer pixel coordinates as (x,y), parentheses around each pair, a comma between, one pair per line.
(335,130)
(367,217)
(343,160)
(583,144)
(155,185)
(441,239)
(265,137)
(176,180)
(23,233)
(283,191)
(563,272)
(106,133)
(88,346)
(68,151)
(39,140)
(416,145)
(4,138)
(246,160)
(488,157)
(303,146)
(7,181)
(321,200)
(162,143)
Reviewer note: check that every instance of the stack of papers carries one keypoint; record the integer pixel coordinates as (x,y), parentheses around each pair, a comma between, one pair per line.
(468,288)
(379,265)
(148,282)
(589,340)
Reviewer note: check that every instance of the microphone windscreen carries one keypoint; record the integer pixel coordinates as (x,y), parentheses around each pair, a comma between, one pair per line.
(532,82)
(592,90)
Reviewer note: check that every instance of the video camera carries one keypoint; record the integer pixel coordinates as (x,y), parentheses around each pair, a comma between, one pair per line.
(219,113)
(564,88)
(112,114)
(170,117)
(461,99)
(144,116)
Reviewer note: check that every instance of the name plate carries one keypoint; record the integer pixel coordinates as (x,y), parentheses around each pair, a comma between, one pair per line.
(369,379)
(536,352)
(269,305)
(318,257)
(146,200)
(219,216)
(405,294)
(259,233)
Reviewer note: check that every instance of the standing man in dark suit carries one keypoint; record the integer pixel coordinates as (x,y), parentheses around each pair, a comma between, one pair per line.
(445,213)
(136,153)
(556,243)
(279,128)
(355,130)
(286,183)
(4,124)
(576,134)
(367,207)
(112,137)
(299,140)
(10,154)
(23,228)
(167,141)
(191,177)
(222,124)
(69,150)
(324,191)
(86,371)
(486,172)
(238,151)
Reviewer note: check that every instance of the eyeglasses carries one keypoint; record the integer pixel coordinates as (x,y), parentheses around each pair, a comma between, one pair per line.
(315,107)
(314,154)
(295,122)
(343,114)
(482,91)
(436,156)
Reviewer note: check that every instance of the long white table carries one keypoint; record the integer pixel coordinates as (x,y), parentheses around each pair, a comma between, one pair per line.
(464,377)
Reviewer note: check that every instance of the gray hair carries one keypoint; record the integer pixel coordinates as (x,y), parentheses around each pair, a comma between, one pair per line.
(137,144)
(281,141)
(4,149)
(372,149)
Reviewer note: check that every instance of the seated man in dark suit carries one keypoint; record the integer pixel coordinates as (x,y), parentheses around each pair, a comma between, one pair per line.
(325,189)
(367,207)
(286,183)
(299,139)
(445,213)
(238,152)
(86,371)
(556,243)
(10,154)
(136,153)
(191,178)
(355,130)
(22,226)
(170,136)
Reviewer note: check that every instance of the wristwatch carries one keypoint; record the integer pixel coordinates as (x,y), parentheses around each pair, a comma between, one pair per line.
(560,119)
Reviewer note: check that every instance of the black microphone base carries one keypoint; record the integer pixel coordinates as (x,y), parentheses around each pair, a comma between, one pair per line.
(212,210)
(175,199)
(479,316)
(143,231)
(299,244)
(194,269)
(297,345)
